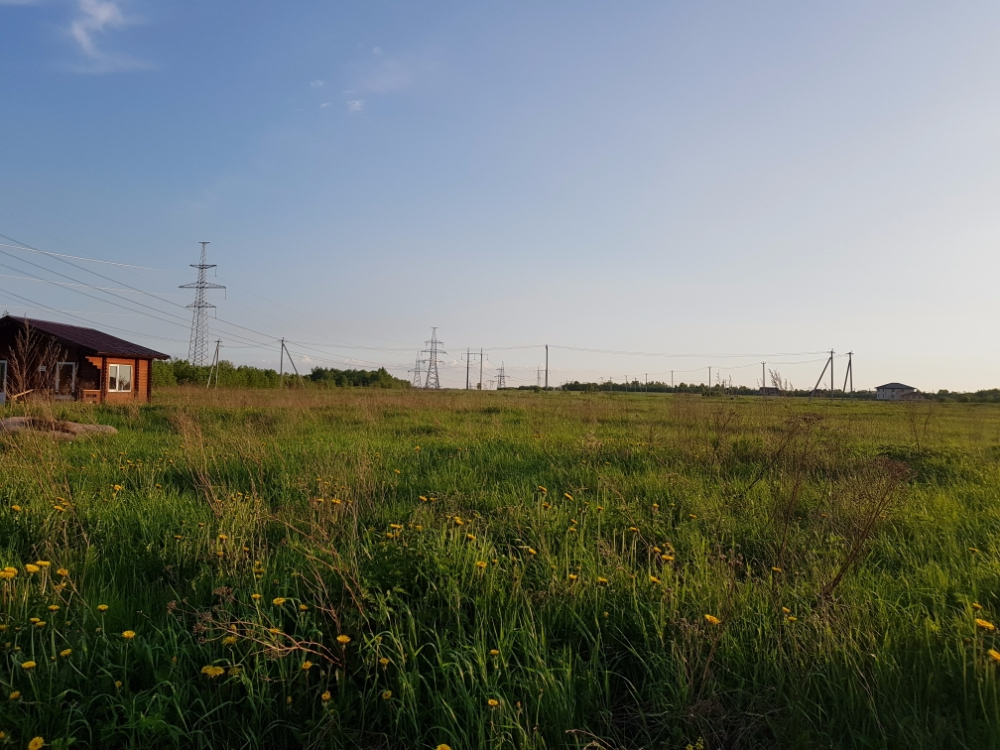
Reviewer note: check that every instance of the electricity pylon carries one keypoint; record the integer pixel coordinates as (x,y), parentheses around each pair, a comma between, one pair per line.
(417,380)
(198,348)
(433,352)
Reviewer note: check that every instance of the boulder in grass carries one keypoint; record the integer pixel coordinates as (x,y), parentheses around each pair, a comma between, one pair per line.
(57,428)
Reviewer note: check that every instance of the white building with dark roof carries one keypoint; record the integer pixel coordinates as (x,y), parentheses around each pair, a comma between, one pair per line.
(894,392)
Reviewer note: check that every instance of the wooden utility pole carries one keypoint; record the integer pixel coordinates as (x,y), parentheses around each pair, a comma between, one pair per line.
(546,367)
(831,375)
(214,367)
(849,374)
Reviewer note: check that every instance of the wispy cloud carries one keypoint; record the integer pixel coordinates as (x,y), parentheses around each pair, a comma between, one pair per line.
(317,84)
(355,105)
(97,17)
(324,105)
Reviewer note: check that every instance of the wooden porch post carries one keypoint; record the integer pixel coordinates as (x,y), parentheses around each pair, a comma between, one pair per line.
(104,378)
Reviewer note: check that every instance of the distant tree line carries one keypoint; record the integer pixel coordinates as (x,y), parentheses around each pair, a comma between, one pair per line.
(715,391)
(989,396)
(379,378)
(182,372)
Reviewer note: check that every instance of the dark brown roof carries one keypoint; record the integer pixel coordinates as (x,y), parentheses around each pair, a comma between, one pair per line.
(87,338)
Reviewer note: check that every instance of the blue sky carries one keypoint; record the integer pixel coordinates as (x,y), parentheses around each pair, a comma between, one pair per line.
(761,179)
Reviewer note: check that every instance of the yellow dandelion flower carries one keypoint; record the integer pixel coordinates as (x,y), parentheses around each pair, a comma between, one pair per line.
(442,746)
(459,521)
(532,551)
(102,607)
(792,618)
(16,695)
(573,576)
(255,597)
(229,640)
(325,696)
(40,624)
(62,572)
(602,580)
(16,508)
(303,608)
(492,703)
(976,606)
(542,489)
(973,549)
(29,568)
(985,624)
(494,652)
(786,610)
(384,662)
(775,569)
(6,575)
(712,620)
(278,601)
(128,635)
(307,665)
(37,743)
(692,516)
(480,564)
(654,579)
(343,639)
(667,558)
(28,665)
(386,695)
(53,608)
(633,529)
(65,652)
(212,671)
(42,563)
(994,654)
(567,496)
(34,620)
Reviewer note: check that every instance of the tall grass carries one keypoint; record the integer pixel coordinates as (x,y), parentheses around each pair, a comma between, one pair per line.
(503,570)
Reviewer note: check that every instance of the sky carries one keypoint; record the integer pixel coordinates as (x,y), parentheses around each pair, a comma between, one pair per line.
(646,187)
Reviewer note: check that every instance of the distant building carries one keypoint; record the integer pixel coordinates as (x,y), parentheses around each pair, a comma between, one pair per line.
(74,363)
(770,391)
(895,392)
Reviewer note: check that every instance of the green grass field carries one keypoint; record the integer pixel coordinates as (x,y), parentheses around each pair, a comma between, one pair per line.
(379,569)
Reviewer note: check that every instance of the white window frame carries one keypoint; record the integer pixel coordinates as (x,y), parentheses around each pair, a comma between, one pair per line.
(116,369)
(72,382)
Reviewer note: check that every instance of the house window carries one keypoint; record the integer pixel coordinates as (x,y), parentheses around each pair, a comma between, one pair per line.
(119,378)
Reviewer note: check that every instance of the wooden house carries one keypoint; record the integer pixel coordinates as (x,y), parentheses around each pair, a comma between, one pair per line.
(71,362)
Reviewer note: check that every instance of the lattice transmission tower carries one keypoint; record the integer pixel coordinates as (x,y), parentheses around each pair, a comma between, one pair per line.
(418,382)
(501,377)
(198,348)
(433,352)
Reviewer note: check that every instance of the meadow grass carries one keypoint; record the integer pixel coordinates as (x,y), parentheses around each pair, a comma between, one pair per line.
(382,569)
